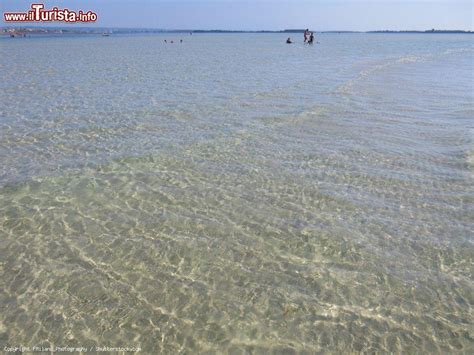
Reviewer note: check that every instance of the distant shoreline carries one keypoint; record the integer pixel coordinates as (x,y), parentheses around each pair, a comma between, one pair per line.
(25,30)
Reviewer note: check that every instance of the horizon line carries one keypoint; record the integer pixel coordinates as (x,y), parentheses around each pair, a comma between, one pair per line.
(83,27)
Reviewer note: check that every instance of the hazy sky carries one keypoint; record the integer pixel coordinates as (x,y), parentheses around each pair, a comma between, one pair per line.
(272,14)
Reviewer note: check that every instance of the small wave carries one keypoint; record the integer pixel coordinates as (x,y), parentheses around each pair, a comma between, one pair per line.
(458,51)
(409,59)
(346,88)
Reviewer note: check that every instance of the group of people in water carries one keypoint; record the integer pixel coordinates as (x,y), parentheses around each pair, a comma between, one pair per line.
(308,37)
(180,41)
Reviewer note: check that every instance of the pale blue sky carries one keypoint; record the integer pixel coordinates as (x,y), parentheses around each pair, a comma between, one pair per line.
(272,14)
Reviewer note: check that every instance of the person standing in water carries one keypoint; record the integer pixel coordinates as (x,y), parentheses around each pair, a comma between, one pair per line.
(311,38)
(288,41)
(306,35)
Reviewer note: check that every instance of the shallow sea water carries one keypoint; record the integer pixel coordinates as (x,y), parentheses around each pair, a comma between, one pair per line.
(236,194)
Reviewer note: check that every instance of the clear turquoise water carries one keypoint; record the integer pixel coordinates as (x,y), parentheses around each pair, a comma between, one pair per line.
(236,193)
